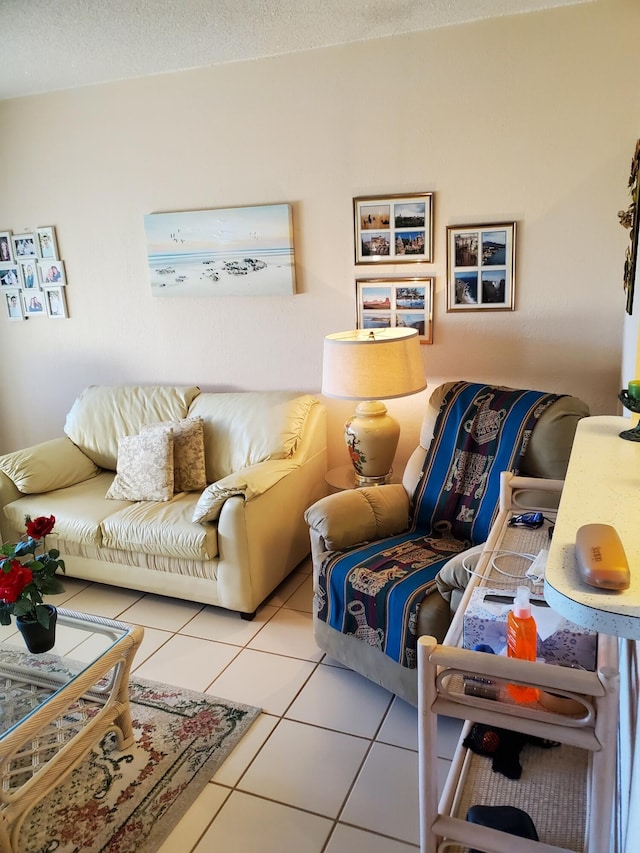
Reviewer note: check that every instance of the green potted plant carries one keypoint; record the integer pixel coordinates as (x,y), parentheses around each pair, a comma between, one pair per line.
(25,578)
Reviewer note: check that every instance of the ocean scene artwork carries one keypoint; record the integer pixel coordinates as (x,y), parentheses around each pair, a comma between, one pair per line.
(241,251)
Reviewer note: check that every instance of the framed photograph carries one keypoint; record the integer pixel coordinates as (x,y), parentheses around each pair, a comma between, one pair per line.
(393,229)
(383,303)
(238,251)
(51,272)
(10,274)
(6,248)
(29,275)
(13,304)
(56,303)
(46,242)
(34,304)
(481,267)
(24,246)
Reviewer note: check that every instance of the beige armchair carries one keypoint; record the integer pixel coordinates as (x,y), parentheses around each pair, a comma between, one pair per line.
(377,531)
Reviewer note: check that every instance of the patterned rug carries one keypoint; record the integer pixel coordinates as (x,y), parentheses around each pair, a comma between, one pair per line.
(128,801)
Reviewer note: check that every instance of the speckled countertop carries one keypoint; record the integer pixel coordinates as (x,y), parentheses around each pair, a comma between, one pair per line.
(602,486)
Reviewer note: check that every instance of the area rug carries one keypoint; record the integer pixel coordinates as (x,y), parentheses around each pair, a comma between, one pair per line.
(128,801)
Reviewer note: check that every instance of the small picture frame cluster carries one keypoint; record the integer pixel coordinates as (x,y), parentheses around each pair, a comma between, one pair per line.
(387,303)
(481,267)
(32,275)
(393,229)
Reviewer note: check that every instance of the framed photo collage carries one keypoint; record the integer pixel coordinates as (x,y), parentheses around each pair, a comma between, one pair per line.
(32,275)
(399,229)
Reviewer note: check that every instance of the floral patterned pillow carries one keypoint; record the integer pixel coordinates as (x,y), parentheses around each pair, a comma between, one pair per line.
(144,469)
(188,453)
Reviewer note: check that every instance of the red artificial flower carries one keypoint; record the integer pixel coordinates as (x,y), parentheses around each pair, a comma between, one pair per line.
(14,581)
(40,526)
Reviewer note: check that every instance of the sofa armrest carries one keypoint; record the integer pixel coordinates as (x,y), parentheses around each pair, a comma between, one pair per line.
(247,483)
(8,492)
(359,515)
(49,465)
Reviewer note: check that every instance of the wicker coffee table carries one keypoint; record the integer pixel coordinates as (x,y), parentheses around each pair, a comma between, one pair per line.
(54,707)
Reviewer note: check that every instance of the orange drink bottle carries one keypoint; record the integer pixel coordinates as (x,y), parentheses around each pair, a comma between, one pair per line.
(522,641)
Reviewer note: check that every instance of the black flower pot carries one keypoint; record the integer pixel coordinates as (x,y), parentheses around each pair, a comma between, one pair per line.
(38,638)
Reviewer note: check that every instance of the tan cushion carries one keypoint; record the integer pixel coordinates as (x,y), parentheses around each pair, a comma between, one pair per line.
(78,510)
(246,428)
(359,515)
(549,448)
(47,466)
(102,414)
(249,483)
(144,469)
(189,473)
(164,529)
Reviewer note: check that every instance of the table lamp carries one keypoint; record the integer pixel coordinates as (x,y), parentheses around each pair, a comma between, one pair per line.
(369,366)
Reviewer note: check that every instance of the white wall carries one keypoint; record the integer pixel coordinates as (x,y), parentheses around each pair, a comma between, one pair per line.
(530,118)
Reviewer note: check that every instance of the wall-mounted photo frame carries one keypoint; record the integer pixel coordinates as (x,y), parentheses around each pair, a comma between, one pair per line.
(29,275)
(56,303)
(481,267)
(10,274)
(51,272)
(6,247)
(46,244)
(13,305)
(24,246)
(34,304)
(393,229)
(384,303)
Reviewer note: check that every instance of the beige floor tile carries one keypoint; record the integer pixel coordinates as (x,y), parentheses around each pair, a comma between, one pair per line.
(270,682)
(103,600)
(400,727)
(348,839)
(302,598)
(249,824)
(153,640)
(193,824)
(289,632)
(243,754)
(187,662)
(449,730)
(159,611)
(215,623)
(384,798)
(306,767)
(286,589)
(330,696)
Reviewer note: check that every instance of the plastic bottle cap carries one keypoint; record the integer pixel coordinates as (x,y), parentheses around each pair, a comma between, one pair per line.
(521,604)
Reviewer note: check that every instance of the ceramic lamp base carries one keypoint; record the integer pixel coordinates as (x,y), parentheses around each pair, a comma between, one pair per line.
(372,438)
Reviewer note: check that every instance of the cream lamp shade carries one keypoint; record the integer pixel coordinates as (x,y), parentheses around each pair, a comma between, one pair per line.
(369,365)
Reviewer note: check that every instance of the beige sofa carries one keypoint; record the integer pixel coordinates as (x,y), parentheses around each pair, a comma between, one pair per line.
(172,491)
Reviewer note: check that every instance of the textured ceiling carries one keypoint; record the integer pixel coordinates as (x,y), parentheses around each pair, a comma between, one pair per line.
(61,44)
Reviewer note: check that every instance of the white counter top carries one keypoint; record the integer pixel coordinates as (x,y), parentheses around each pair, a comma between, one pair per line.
(602,486)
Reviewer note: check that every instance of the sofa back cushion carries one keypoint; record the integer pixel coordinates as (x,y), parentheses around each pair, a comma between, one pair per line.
(547,454)
(103,414)
(245,428)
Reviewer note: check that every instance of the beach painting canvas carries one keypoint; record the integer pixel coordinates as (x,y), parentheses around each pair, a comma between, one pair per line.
(241,251)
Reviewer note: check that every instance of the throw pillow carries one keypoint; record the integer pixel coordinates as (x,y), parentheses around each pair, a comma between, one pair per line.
(50,465)
(188,453)
(144,469)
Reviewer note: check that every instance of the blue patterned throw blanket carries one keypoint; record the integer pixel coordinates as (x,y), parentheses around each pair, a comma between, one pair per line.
(374,591)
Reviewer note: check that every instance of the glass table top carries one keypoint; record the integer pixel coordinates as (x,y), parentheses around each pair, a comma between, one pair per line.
(28,681)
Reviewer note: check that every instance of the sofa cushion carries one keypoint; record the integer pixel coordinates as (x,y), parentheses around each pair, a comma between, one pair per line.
(47,466)
(104,413)
(245,428)
(189,474)
(164,529)
(78,510)
(547,454)
(144,469)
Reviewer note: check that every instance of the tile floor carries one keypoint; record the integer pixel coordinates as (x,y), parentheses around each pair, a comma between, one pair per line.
(330,766)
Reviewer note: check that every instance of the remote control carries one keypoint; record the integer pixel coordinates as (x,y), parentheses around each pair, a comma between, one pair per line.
(601,559)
